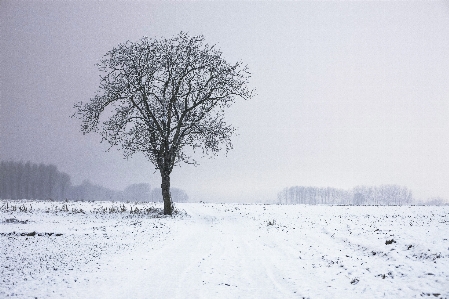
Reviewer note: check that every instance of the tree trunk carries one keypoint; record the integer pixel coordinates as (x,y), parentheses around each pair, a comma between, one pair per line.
(168,207)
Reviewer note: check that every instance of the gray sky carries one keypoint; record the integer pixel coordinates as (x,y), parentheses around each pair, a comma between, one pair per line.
(349,93)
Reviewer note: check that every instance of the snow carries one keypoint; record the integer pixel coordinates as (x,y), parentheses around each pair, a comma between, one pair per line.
(223,251)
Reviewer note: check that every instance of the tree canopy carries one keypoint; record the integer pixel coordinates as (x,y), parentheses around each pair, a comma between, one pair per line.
(162,96)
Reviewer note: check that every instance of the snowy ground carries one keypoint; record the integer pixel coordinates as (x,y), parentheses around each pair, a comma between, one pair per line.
(222,251)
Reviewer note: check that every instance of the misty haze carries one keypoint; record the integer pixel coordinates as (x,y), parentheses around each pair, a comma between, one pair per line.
(224,149)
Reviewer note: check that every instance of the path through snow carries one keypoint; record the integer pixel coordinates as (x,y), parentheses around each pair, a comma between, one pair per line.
(249,251)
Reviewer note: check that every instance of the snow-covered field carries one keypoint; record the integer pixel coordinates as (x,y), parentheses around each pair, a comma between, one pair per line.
(55,250)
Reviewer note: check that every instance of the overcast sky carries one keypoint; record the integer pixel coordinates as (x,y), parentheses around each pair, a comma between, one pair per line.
(349,93)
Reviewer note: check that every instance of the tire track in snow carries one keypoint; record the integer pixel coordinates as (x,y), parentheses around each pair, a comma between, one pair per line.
(244,263)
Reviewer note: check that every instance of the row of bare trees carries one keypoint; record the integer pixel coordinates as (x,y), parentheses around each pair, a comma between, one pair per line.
(28,180)
(135,192)
(360,195)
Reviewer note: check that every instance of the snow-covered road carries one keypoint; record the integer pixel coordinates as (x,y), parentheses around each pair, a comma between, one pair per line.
(230,251)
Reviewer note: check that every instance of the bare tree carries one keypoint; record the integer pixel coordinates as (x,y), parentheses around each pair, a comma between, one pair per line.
(162,97)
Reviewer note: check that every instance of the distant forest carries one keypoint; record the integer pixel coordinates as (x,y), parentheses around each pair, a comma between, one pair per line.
(28,180)
(360,195)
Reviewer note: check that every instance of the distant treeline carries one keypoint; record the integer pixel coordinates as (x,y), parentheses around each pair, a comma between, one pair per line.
(28,180)
(361,195)
(134,192)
